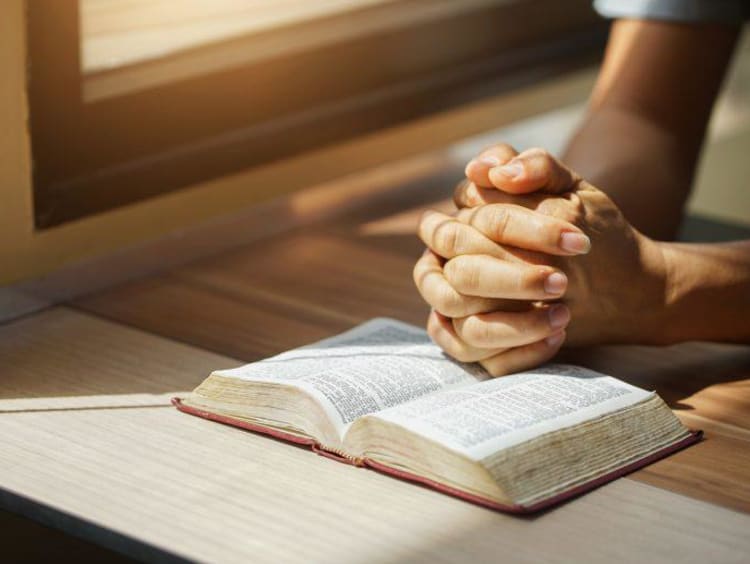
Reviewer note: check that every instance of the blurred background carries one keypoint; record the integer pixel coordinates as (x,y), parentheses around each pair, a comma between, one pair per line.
(131,99)
(131,120)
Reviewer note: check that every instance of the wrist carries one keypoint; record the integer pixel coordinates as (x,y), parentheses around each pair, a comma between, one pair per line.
(654,321)
(636,312)
(669,321)
(706,288)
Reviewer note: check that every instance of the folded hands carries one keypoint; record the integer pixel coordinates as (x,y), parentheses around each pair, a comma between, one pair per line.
(535,257)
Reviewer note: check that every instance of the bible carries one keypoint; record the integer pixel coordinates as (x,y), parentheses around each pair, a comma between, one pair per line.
(383,396)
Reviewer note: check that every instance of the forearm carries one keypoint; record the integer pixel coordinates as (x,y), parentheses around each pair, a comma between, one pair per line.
(707,292)
(648,115)
(642,167)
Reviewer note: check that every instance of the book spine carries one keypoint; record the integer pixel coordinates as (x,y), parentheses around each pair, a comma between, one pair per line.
(329,452)
(337,454)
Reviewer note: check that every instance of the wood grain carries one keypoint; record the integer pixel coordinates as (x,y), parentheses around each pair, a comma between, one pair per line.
(315,281)
(156,483)
(270,296)
(59,359)
(714,470)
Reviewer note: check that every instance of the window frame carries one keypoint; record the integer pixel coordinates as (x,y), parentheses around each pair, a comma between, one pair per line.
(92,157)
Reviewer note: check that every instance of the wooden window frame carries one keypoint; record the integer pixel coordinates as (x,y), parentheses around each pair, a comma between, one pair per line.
(39,265)
(94,156)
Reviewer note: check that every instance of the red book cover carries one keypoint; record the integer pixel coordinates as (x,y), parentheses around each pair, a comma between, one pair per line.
(316,447)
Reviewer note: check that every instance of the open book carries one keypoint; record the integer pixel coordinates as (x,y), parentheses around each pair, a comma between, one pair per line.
(382,395)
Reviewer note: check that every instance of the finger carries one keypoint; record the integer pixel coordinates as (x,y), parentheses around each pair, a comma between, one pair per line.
(531,171)
(469,195)
(524,358)
(444,335)
(449,237)
(503,329)
(478,169)
(520,227)
(437,291)
(443,248)
(488,277)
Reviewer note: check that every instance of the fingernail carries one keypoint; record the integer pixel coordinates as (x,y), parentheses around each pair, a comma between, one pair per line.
(555,340)
(489,160)
(559,316)
(511,170)
(577,243)
(555,283)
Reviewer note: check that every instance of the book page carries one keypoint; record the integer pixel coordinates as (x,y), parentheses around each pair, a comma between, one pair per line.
(377,365)
(484,418)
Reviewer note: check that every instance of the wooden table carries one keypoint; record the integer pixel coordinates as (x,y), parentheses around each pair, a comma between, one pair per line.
(91,446)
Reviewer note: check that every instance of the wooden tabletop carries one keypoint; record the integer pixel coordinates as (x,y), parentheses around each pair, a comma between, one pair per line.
(91,445)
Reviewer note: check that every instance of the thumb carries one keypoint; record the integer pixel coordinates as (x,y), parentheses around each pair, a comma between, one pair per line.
(534,170)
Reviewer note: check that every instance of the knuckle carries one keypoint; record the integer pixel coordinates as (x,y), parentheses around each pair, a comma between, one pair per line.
(419,274)
(493,367)
(502,146)
(422,231)
(447,237)
(426,225)
(540,164)
(446,341)
(448,302)
(460,193)
(416,274)
(537,152)
(461,353)
(564,209)
(571,215)
(503,149)
(462,275)
(546,165)
(551,206)
(499,223)
(575,209)
(425,219)
(458,196)
(476,332)
(532,279)
(466,195)
(546,157)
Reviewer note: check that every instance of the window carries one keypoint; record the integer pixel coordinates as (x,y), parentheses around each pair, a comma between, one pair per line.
(130,99)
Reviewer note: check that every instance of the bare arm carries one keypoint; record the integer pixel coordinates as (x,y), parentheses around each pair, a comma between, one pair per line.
(647,118)
(640,143)
(708,295)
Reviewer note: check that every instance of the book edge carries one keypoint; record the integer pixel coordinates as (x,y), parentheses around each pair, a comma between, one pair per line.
(556,499)
(316,447)
(211,416)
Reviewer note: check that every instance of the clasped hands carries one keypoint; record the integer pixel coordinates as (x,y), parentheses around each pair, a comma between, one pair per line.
(535,257)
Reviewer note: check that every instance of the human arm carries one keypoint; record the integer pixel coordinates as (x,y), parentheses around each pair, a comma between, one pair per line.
(641,137)
(651,292)
(709,292)
(628,289)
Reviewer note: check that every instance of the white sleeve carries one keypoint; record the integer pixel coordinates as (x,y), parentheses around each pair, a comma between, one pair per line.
(720,11)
